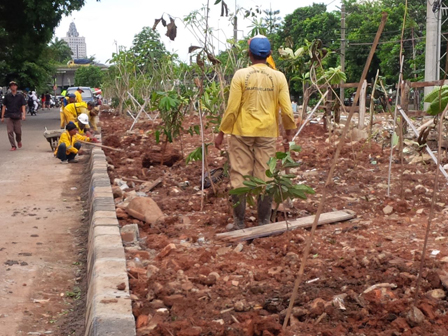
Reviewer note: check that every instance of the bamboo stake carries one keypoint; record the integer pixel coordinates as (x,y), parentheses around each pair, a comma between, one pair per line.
(331,172)
(101,146)
(386,96)
(400,77)
(371,102)
(400,88)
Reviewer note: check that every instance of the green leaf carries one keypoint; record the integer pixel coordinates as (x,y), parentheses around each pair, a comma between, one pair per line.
(305,188)
(394,139)
(217,2)
(157,135)
(272,163)
(240,191)
(298,193)
(197,129)
(250,184)
(281,155)
(291,165)
(294,147)
(257,180)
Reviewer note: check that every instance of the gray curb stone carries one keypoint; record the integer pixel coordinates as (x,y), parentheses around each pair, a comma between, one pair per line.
(109,310)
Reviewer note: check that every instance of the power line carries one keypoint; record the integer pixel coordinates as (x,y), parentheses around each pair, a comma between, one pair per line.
(384,42)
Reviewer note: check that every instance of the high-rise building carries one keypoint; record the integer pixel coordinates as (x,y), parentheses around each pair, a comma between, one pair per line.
(76,43)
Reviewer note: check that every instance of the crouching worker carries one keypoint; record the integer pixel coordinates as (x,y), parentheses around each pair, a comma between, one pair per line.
(68,146)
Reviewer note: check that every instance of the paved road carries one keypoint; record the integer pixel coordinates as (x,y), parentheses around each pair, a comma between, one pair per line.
(40,214)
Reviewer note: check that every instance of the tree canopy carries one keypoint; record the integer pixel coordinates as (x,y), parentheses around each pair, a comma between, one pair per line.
(91,76)
(306,24)
(26,28)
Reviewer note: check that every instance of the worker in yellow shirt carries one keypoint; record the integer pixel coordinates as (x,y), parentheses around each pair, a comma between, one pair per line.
(73,110)
(64,102)
(68,146)
(252,121)
(93,113)
(78,95)
(83,125)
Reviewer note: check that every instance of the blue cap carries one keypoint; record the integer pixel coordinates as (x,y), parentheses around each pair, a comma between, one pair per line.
(260,46)
(72,95)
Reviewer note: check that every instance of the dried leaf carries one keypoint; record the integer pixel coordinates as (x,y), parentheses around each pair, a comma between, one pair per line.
(199,61)
(193,48)
(198,82)
(163,21)
(171,31)
(156,22)
(213,59)
(224,9)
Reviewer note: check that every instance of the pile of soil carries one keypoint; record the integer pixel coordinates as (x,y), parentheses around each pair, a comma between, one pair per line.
(187,282)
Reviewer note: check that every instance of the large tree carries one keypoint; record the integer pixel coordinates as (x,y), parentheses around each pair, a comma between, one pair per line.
(148,48)
(303,26)
(60,51)
(91,76)
(26,28)
(361,32)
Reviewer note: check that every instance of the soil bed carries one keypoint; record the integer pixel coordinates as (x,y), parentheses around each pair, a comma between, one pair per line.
(203,286)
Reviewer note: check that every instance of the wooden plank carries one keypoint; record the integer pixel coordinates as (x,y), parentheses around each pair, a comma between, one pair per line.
(426,84)
(280,227)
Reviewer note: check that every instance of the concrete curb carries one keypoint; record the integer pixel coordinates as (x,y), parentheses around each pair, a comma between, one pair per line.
(109,310)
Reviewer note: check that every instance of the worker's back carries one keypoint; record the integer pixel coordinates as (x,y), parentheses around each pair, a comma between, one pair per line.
(256,94)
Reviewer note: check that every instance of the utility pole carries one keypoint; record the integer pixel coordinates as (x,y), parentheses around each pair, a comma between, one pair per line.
(235,27)
(432,51)
(342,91)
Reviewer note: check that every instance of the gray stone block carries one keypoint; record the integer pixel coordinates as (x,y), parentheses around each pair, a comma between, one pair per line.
(111,326)
(104,221)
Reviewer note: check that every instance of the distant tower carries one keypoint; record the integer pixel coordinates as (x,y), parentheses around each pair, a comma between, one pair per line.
(76,43)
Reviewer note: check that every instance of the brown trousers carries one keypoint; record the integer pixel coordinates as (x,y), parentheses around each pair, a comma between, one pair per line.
(14,126)
(249,156)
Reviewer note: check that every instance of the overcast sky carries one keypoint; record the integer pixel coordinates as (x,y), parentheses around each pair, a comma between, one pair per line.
(108,22)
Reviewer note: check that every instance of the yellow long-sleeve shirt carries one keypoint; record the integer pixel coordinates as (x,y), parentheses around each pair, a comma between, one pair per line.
(70,142)
(82,131)
(256,94)
(78,96)
(73,110)
(92,118)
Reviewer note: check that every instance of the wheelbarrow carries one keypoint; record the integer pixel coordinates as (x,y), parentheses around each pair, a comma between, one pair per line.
(52,137)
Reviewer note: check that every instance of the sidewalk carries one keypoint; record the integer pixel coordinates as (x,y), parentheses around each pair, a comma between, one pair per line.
(39,215)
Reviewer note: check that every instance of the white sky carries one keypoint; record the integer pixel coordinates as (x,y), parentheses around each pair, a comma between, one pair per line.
(103,23)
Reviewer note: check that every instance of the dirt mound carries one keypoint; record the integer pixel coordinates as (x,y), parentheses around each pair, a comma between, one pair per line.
(112,141)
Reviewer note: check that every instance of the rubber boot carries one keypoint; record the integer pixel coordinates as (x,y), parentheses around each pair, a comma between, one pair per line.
(264,210)
(239,209)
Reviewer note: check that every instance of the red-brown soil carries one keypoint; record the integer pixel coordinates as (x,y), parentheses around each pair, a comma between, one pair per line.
(209,289)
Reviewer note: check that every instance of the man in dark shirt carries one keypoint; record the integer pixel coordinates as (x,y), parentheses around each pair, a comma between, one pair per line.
(47,100)
(14,106)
